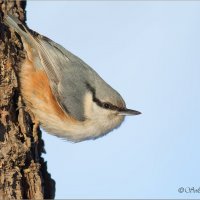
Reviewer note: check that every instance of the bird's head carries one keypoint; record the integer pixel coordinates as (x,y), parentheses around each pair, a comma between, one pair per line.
(105,108)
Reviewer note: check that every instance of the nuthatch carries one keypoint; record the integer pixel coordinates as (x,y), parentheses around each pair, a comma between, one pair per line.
(69,99)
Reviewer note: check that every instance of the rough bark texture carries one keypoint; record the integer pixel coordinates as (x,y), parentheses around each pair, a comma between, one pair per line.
(23,172)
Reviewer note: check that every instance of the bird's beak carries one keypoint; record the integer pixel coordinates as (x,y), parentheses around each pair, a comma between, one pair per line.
(129,112)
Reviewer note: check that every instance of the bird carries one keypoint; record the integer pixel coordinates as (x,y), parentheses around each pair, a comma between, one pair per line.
(68,98)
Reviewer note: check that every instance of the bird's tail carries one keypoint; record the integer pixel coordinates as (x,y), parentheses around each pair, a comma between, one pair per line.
(18,27)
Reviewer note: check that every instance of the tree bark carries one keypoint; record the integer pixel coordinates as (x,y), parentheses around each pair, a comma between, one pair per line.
(23,172)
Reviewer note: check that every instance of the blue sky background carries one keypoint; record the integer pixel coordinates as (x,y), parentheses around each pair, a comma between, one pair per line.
(149,52)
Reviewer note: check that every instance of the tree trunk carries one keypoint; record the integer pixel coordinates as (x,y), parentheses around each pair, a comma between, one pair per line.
(23,172)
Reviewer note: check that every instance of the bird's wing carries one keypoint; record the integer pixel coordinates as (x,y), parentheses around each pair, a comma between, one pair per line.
(67,75)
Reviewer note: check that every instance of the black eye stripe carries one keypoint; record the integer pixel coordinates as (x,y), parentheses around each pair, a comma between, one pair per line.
(105,105)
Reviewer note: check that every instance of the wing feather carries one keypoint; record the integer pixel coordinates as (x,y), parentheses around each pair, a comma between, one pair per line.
(67,75)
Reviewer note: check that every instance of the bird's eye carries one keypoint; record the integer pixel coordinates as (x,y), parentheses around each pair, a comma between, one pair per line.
(106,105)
